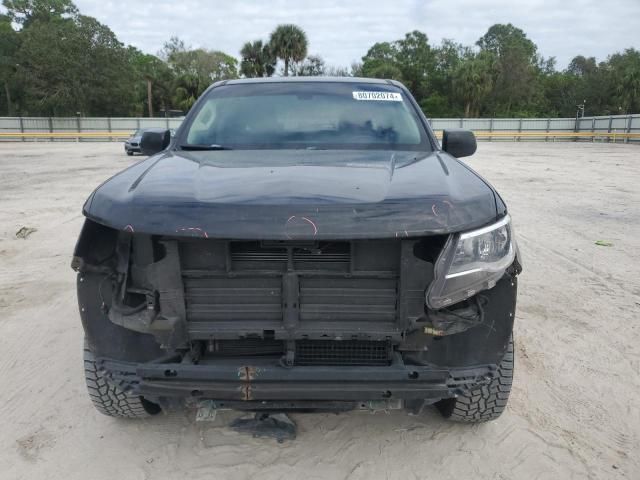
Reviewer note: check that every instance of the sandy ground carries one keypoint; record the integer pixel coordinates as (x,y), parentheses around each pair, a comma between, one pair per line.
(574,410)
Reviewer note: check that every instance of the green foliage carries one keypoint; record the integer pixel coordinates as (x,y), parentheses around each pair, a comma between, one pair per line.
(505,76)
(437,103)
(24,12)
(516,71)
(60,62)
(440,99)
(82,69)
(55,61)
(258,60)
(381,61)
(289,43)
(187,88)
(501,40)
(625,75)
(9,46)
(415,60)
(312,66)
(154,83)
(207,66)
(473,81)
(195,70)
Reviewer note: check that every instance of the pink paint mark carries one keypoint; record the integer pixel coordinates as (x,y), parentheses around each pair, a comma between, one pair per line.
(315,228)
(128,228)
(200,231)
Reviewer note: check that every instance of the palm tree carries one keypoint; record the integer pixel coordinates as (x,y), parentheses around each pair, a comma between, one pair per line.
(628,87)
(289,43)
(257,60)
(472,83)
(156,74)
(187,90)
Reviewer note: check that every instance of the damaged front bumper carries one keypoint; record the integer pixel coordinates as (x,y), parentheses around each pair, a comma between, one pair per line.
(267,382)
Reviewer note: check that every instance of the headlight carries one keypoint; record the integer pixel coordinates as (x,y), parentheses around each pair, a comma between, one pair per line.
(471,262)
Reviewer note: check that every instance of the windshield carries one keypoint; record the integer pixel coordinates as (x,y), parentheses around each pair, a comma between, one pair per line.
(313,115)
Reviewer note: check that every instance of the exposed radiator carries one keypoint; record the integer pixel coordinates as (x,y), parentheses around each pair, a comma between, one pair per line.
(334,281)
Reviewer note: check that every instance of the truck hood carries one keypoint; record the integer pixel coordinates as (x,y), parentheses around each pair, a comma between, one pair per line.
(294,194)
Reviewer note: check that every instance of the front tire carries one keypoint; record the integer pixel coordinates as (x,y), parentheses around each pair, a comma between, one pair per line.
(486,402)
(109,399)
(130,153)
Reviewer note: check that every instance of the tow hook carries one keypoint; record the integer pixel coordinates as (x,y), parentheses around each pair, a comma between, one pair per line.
(247,374)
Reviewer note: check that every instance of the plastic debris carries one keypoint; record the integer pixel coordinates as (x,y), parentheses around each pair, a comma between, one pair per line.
(604,243)
(271,425)
(206,411)
(24,232)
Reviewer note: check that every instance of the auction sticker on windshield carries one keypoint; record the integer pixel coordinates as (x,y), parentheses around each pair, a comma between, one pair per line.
(378,96)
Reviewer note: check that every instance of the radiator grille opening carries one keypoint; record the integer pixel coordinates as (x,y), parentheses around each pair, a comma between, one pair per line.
(246,347)
(307,352)
(342,352)
(244,252)
(303,255)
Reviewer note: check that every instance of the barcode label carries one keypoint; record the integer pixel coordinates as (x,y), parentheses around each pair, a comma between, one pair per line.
(378,96)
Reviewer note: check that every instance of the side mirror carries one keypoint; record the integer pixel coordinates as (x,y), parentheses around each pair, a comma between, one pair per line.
(459,142)
(154,141)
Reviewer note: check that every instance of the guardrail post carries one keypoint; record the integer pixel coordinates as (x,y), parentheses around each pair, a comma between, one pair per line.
(50,121)
(593,129)
(520,129)
(22,129)
(609,129)
(462,123)
(491,128)
(546,139)
(78,128)
(629,120)
(166,121)
(109,128)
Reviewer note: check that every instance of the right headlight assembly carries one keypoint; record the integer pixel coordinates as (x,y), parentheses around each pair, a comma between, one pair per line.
(471,262)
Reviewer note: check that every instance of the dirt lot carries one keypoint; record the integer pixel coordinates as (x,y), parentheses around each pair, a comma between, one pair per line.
(574,411)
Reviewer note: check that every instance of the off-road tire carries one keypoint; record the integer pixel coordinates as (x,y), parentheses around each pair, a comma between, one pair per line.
(483,403)
(109,399)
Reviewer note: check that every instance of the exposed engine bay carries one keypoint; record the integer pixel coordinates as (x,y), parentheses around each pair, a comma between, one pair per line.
(301,302)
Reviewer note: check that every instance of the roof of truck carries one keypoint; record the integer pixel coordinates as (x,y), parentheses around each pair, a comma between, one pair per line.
(309,79)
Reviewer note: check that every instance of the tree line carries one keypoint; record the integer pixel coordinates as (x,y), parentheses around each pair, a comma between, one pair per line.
(54,61)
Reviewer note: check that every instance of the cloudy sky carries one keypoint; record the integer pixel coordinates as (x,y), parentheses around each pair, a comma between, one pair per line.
(341,31)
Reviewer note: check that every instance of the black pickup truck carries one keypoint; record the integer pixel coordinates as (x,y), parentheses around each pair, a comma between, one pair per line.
(300,244)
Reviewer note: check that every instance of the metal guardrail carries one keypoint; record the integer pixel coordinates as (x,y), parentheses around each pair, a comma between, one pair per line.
(71,135)
(611,128)
(553,135)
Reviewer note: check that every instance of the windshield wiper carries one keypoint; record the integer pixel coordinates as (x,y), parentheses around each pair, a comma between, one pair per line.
(213,146)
